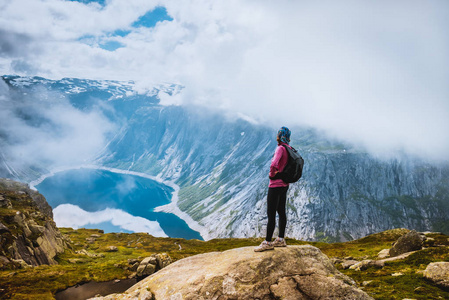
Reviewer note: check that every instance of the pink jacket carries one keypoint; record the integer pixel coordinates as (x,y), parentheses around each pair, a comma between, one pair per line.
(278,164)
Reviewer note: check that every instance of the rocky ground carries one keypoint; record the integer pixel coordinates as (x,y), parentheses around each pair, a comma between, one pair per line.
(406,276)
(29,236)
(294,272)
(37,260)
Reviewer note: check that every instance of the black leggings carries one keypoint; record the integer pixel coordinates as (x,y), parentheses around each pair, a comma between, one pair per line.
(276,199)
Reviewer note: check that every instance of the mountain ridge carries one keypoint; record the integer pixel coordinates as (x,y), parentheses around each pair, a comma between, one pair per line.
(221,166)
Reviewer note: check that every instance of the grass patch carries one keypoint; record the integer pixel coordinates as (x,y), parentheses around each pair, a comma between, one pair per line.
(44,281)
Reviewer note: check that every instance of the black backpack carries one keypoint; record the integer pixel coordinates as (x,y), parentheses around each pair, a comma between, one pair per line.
(293,170)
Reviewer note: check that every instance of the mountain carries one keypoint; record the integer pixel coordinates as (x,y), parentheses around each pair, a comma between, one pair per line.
(220,163)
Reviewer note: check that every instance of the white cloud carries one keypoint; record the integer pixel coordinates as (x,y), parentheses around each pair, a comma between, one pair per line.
(373,73)
(43,128)
(69,215)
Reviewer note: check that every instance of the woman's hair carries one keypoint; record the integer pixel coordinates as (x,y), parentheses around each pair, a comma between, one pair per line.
(284,135)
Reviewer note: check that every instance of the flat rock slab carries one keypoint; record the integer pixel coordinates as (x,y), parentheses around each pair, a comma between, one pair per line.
(294,272)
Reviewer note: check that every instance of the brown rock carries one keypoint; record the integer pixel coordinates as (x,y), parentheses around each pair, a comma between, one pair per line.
(293,272)
(286,289)
(438,272)
(324,287)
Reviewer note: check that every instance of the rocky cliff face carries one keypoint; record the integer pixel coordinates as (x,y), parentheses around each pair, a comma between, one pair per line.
(28,234)
(295,272)
(341,191)
(221,166)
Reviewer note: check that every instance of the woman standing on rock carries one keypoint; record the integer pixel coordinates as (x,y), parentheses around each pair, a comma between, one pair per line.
(277,194)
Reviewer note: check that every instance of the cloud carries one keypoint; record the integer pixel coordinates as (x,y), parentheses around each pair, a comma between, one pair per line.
(13,44)
(372,73)
(69,215)
(41,127)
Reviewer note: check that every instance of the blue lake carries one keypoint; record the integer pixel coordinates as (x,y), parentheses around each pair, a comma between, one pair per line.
(96,190)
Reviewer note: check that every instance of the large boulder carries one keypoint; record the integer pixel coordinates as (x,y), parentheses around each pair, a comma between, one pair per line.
(408,242)
(294,272)
(438,273)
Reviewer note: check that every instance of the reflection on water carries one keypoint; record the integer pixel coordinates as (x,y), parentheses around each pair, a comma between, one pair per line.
(128,198)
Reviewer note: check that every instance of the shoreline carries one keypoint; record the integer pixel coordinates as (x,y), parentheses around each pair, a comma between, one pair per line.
(171,207)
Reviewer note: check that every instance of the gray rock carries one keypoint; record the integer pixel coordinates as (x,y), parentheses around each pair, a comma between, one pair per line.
(408,242)
(348,263)
(365,264)
(151,264)
(36,239)
(383,253)
(149,260)
(163,260)
(438,273)
(22,264)
(145,270)
(112,249)
(294,272)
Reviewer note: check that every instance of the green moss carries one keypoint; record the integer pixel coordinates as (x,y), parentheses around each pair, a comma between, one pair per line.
(42,282)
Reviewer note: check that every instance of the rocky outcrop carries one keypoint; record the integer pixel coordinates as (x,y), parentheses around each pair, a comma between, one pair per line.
(408,242)
(294,272)
(438,273)
(28,233)
(19,187)
(151,264)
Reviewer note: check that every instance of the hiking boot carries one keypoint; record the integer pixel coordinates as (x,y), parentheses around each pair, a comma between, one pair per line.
(278,242)
(264,246)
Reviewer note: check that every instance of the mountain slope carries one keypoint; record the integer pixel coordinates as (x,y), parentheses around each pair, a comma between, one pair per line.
(221,165)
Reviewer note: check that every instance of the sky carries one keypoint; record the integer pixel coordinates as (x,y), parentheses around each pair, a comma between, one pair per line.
(373,73)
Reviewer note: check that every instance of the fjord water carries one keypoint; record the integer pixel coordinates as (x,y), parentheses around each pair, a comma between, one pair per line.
(95,190)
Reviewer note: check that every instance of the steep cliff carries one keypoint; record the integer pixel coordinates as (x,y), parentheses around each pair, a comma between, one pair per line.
(221,166)
(28,234)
